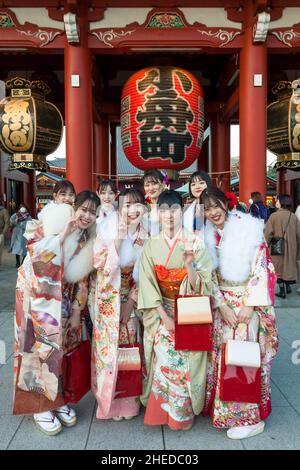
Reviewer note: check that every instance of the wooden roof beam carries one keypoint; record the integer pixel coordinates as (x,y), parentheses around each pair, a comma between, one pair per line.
(230,107)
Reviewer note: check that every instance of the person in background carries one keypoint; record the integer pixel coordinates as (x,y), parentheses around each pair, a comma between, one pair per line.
(193,218)
(154,184)
(18,242)
(107,193)
(4,225)
(257,208)
(297,214)
(284,223)
(63,193)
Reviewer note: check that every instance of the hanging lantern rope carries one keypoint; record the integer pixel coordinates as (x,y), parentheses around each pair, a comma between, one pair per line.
(211,173)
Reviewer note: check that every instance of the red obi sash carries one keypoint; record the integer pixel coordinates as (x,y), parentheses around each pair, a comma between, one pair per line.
(169,280)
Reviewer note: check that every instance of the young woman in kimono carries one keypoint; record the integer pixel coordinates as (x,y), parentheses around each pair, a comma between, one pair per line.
(193,218)
(243,289)
(153,181)
(51,294)
(117,252)
(107,193)
(175,262)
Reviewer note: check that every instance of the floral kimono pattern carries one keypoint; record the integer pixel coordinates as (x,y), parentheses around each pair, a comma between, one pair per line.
(43,305)
(257,291)
(116,282)
(174,388)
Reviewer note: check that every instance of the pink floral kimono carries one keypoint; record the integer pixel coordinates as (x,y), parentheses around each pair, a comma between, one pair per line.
(243,276)
(117,275)
(52,278)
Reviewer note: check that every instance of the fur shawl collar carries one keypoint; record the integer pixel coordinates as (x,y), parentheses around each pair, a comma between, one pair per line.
(81,265)
(242,236)
(54,221)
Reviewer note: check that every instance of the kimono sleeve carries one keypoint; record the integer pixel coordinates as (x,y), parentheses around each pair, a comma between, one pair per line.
(81,294)
(203,266)
(106,258)
(261,284)
(218,297)
(149,295)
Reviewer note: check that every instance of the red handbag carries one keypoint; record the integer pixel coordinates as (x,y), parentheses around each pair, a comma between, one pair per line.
(129,379)
(77,372)
(239,384)
(192,337)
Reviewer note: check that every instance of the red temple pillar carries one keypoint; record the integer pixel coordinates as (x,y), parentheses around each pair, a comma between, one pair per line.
(253,102)
(220,149)
(101,149)
(78,106)
(281,183)
(30,193)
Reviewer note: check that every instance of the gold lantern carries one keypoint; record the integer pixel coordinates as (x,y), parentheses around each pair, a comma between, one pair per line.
(283,128)
(30,127)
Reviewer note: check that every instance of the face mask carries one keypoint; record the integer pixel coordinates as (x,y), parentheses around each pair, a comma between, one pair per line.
(22,210)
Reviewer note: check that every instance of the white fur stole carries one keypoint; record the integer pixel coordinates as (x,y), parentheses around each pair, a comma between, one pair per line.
(242,236)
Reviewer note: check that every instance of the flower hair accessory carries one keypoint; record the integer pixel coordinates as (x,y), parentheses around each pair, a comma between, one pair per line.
(166,180)
(232,199)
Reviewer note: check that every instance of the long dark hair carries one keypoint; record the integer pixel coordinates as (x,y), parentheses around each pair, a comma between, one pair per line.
(153,175)
(135,195)
(63,185)
(169,197)
(212,196)
(89,196)
(199,175)
(104,184)
(286,201)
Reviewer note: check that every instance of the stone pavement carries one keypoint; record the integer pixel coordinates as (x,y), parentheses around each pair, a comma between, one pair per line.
(282,427)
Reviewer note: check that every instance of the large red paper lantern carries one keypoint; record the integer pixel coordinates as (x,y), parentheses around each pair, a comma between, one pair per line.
(162,118)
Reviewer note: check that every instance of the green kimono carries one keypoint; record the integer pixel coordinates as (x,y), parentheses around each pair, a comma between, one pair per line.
(174,389)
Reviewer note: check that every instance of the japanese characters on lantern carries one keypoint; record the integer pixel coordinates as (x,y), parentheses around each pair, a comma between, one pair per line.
(162,118)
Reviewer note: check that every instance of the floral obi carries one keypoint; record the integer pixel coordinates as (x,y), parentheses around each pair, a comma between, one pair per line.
(169,280)
(127,282)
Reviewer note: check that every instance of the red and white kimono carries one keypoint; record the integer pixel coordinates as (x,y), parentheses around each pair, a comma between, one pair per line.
(53,278)
(243,276)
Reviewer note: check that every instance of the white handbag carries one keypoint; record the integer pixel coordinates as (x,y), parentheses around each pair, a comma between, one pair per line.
(242,353)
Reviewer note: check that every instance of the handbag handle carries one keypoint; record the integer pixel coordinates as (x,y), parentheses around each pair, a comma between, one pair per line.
(128,337)
(287,225)
(247,337)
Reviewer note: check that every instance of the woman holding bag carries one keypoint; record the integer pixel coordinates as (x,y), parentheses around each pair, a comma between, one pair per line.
(243,291)
(51,296)
(284,224)
(172,263)
(117,251)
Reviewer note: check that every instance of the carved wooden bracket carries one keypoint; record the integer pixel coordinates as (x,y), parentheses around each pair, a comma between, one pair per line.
(261,27)
(71,28)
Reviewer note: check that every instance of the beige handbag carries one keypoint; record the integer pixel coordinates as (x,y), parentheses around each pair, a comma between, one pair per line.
(242,353)
(129,355)
(194,310)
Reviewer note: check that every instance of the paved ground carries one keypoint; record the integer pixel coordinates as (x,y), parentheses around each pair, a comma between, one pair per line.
(282,428)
